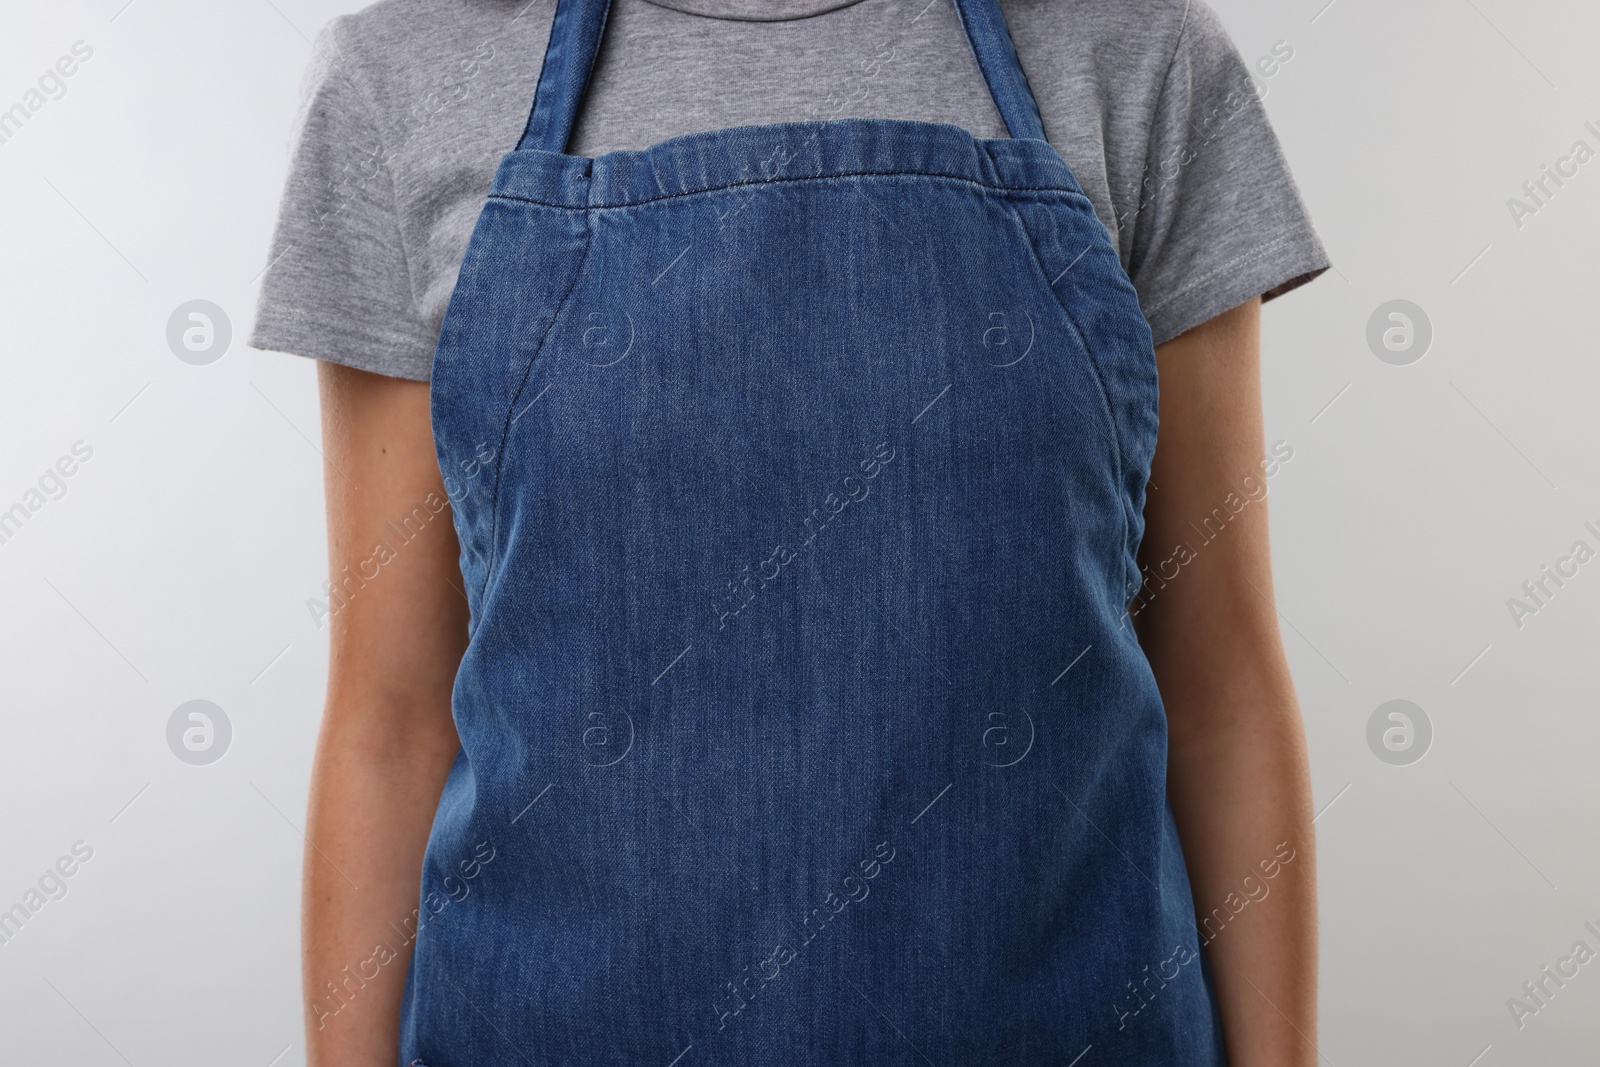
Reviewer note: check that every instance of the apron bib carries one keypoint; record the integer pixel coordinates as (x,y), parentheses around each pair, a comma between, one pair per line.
(798,473)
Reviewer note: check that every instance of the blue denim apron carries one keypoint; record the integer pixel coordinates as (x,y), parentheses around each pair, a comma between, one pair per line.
(798,472)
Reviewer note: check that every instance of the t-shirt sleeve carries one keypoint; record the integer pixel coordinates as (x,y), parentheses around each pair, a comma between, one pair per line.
(337,286)
(1219,220)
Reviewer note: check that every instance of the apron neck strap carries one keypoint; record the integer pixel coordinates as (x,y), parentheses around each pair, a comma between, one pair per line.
(564,76)
(579,25)
(985,26)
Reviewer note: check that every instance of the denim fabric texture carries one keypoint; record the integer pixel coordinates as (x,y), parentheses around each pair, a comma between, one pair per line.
(798,472)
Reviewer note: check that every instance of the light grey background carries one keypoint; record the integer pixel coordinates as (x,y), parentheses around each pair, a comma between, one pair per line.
(1419,499)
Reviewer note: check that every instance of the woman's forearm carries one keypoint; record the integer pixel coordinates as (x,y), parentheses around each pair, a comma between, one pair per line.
(1242,802)
(371,807)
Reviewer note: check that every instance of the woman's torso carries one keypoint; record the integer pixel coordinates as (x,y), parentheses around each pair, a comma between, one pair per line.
(807,464)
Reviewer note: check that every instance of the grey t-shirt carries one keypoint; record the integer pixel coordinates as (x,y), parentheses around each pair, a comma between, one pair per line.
(409,105)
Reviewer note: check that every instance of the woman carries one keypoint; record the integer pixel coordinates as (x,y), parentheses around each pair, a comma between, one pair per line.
(830,660)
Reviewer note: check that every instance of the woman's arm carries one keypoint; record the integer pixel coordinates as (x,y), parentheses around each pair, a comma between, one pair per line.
(1237,771)
(397,633)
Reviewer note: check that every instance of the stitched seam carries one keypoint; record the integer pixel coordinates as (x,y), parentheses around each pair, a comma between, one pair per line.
(1100,383)
(1232,264)
(505,432)
(803,178)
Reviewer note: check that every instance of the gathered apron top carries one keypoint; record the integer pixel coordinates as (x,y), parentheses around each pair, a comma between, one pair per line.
(798,472)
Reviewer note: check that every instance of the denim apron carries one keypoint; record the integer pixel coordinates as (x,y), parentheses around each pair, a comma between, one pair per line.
(798,473)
